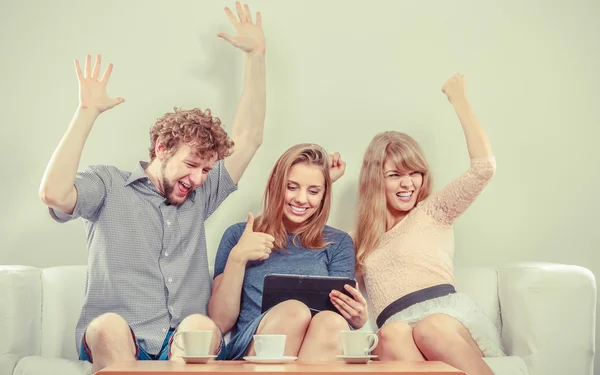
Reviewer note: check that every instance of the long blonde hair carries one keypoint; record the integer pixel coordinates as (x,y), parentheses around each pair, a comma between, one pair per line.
(407,155)
(310,232)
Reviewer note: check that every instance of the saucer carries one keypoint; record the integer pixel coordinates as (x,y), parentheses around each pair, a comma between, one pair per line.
(284,359)
(351,359)
(197,358)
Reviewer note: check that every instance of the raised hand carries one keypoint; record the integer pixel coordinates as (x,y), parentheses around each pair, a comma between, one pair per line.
(92,89)
(249,36)
(252,245)
(454,88)
(337,166)
(355,310)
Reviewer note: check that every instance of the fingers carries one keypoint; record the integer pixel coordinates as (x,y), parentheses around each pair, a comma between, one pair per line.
(117,101)
(343,298)
(258,19)
(78,71)
(228,38)
(247,13)
(107,73)
(336,160)
(96,71)
(240,12)
(356,294)
(344,308)
(232,18)
(250,224)
(88,66)
(341,310)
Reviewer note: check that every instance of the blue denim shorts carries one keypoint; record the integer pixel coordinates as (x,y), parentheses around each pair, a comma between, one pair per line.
(85,354)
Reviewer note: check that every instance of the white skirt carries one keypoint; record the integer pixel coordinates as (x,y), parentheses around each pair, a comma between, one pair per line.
(462,308)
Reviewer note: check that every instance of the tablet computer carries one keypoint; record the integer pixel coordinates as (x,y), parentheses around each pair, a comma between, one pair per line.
(313,291)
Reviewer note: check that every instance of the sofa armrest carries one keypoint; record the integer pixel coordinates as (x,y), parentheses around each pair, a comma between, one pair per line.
(549,316)
(20,314)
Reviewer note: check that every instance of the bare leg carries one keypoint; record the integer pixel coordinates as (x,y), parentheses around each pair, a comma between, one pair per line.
(442,338)
(109,339)
(396,343)
(196,322)
(323,340)
(289,318)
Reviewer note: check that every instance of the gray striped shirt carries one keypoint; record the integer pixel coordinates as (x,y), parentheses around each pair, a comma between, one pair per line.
(147,260)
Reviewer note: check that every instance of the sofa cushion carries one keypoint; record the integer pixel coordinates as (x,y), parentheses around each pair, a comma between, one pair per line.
(507,365)
(36,365)
(481,284)
(63,289)
(20,314)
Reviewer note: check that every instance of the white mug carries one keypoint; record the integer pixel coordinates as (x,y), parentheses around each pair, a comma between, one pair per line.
(269,346)
(195,343)
(358,343)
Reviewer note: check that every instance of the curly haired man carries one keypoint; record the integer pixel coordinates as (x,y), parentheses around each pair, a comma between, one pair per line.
(148,274)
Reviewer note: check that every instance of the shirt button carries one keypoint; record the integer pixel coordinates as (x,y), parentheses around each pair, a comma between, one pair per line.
(171,309)
(164,330)
(168,223)
(170,279)
(166,254)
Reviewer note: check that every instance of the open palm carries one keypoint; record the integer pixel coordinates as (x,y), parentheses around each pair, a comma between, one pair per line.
(249,36)
(92,91)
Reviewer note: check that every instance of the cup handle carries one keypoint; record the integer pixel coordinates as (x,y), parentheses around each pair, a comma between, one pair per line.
(375,342)
(175,341)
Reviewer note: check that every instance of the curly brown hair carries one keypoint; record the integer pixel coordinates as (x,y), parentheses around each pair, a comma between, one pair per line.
(194,127)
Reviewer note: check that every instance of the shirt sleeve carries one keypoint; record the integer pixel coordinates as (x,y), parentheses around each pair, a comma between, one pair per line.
(92,186)
(453,200)
(216,188)
(343,260)
(228,241)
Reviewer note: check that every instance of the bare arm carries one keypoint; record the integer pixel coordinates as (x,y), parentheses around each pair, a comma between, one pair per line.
(478,143)
(224,303)
(57,189)
(248,125)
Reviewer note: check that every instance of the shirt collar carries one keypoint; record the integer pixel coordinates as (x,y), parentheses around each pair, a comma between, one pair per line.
(139,173)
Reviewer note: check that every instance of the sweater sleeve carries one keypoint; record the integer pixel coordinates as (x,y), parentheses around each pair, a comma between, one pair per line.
(453,200)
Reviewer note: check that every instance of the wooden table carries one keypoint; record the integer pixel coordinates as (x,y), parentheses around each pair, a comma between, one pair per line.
(296,368)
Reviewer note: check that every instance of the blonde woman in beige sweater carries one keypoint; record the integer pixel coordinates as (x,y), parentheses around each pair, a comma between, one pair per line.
(405,248)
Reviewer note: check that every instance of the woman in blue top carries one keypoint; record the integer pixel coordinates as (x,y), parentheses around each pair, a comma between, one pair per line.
(290,237)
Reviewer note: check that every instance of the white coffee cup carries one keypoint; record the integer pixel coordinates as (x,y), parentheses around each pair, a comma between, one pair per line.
(196,343)
(358,343)
(269,346)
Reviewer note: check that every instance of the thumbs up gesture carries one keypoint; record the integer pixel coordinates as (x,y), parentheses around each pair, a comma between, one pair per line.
(252,245)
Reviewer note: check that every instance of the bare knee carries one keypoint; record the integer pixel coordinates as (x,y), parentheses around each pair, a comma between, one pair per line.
(394,332)
(433,334)
(329,322)
(109,332)
(396,343)
(197,322)
(293,312)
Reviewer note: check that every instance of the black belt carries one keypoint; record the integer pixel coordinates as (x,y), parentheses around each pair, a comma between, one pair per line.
(413,298)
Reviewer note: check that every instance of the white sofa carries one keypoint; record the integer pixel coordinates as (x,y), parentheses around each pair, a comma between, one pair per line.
(546,313)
